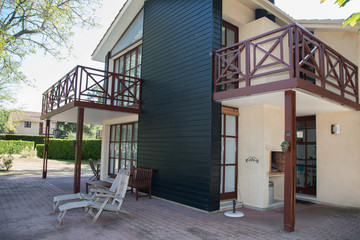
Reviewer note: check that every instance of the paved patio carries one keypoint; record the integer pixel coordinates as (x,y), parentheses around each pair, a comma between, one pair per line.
(26,201)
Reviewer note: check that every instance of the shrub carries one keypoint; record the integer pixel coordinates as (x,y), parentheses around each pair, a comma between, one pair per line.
(6,162)
(28,152)
(62,149)
(14,147)
(37,139)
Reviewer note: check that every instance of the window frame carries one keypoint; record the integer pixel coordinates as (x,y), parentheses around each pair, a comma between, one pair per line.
(27,124)
(116,166)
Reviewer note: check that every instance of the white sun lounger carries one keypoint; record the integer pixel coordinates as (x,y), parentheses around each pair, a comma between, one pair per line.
(84,196)
(109,201)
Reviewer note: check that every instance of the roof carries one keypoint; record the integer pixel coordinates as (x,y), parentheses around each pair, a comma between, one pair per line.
(122,20)
(25,116)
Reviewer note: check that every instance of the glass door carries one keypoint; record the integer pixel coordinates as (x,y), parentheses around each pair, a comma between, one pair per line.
(229,139)
(123,147)
(306,155)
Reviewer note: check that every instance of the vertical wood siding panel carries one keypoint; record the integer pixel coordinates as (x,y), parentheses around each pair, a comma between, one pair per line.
(179,124)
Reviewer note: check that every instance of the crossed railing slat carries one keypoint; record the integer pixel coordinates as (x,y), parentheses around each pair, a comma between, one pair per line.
(292,50)
(92,85)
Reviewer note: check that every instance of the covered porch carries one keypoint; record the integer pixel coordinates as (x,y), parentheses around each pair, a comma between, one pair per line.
(273,79)
(88,95)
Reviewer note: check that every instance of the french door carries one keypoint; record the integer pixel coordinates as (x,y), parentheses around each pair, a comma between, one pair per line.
(229,140)
(306,155)
(123,147)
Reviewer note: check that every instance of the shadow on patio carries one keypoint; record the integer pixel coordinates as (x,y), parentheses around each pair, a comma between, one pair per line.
(26,204)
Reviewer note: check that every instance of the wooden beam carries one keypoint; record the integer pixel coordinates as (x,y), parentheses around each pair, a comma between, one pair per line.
(46,148)
(78,150)
(290,161)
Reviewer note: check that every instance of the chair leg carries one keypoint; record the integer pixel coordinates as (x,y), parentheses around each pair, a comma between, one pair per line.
(55,206)
(61,216)
(137,196)
(150,192)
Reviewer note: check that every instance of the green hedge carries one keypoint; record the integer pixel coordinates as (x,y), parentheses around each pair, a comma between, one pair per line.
(62,149)
(37,139)
(14,146)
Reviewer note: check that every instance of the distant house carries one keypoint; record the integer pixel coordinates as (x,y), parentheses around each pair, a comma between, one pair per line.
(29,123)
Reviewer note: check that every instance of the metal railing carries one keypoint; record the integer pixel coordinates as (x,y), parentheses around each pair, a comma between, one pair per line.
(290,52)
(89,85)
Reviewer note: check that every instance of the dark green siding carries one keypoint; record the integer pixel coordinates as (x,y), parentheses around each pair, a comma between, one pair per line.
(179,124)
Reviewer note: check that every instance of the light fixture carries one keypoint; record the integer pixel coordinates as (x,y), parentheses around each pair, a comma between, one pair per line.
(335,129)
(285,146)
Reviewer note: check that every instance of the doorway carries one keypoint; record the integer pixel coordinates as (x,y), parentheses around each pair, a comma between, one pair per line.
(306,155)
(229,142)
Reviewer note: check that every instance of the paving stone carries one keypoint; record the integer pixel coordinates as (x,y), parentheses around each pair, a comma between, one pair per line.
(26,204)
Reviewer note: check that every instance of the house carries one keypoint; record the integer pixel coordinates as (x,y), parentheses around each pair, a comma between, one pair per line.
(206,92)
(28,123)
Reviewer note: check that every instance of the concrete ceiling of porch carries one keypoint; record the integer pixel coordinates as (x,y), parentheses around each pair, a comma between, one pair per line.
(91,115)
(306,104)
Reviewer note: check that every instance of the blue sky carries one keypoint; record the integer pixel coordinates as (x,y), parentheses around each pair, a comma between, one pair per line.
(46,70)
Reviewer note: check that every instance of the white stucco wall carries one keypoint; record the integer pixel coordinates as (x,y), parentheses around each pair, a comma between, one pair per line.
(106,140)
(338,159)
(33,130)
(261,130)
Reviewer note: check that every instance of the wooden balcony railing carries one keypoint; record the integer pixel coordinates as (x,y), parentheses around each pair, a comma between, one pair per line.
(287,57)
(94,87)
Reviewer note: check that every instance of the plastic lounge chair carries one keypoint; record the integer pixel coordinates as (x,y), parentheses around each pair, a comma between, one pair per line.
(96,171)
(94,207)
(79,196)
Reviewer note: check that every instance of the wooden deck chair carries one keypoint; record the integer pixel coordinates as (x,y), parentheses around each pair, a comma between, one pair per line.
(84,196)
(94,207)
(96,171)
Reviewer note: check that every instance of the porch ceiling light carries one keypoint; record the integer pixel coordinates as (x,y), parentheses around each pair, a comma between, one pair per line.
(285,146)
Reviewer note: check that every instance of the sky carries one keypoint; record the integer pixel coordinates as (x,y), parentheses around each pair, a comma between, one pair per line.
(45,70)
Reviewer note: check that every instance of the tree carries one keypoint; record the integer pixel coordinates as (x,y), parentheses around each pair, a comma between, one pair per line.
(7,124)
(69,129)
(27,26)
(353,19)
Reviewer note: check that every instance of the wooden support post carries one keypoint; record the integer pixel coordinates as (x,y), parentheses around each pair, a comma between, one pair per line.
(78,150)
(46,148)
(290,161)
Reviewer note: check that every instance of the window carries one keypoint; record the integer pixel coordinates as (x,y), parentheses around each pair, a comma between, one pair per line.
(123,147)
(230,36)
(27,124)
(128,64)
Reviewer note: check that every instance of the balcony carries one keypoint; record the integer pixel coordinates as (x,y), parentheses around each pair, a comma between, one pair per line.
(290,57)
(94,89)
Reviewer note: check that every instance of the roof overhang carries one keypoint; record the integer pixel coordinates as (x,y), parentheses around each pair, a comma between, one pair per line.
(117,28)
(328,24)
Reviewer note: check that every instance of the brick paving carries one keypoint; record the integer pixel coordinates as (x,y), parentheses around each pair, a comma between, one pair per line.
(26,201)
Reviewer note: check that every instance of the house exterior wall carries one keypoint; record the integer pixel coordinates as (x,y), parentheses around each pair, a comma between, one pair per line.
(261,130)
(346,43)
(179,124)
(338,159)
(105,143)
(33,130)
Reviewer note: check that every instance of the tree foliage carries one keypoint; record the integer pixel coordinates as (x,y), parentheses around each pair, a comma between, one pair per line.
(353,19)
(28,25)
(69,129)
(7,126)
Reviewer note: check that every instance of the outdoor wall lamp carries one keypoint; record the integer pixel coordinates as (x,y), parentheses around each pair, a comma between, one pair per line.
(285,146)
(73,143)
(335,129)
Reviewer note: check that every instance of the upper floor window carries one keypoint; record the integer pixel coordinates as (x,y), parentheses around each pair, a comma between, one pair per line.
(27,124)
(129,63)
